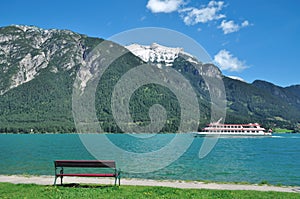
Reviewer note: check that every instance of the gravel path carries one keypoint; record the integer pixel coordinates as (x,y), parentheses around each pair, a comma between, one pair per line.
(48,180)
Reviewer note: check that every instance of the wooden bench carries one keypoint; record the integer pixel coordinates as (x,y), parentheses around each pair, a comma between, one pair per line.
(108,169)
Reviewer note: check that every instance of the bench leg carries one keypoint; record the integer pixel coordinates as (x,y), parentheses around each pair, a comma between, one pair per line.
(117,179)
(61,177)
(119,176)
(61,180)
(55,180)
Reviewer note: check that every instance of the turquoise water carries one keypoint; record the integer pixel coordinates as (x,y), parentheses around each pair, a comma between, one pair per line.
(275,160)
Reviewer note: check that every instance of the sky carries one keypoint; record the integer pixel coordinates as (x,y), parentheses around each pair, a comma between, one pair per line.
(250,39)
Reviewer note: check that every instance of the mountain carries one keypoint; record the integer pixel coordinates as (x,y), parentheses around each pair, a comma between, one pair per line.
(260,101)
(38,68)
(289,95)
(263,102)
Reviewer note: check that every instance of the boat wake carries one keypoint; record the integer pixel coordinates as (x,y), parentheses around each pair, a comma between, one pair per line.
(277,136)
(288,137)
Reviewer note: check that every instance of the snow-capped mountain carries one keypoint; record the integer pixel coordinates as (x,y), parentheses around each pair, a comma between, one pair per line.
(158,54)
(38,68)
(162,55)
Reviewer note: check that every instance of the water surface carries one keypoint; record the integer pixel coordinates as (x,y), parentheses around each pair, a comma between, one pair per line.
(275,160)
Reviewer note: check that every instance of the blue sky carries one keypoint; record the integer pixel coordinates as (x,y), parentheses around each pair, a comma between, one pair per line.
(254,39)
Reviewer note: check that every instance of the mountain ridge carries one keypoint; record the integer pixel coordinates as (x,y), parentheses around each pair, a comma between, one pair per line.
(38,68)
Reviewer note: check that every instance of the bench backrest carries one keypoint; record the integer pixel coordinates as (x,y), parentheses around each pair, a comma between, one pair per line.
(85,163)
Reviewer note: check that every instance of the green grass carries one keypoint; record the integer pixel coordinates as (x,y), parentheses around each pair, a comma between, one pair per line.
(280,130)
(8,190)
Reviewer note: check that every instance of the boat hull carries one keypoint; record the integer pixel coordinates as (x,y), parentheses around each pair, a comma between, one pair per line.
(204,134)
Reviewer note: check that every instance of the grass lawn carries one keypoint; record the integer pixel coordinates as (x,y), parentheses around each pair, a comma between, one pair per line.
(31,191)
(279,130)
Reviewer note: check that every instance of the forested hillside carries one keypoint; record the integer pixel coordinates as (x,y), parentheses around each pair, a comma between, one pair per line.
(38,68)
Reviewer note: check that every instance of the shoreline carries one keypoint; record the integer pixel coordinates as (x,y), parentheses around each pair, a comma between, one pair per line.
(109,133)
(48,180)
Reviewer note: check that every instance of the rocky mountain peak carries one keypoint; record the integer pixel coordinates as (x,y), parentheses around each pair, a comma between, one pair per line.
(26,50)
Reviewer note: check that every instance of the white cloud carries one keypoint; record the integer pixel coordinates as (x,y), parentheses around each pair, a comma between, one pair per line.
(230,26)
(165,6)
(142,18)
(192,16)
(226,61)
(245,23)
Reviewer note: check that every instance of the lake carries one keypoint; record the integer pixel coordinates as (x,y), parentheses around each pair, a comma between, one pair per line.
(275,159)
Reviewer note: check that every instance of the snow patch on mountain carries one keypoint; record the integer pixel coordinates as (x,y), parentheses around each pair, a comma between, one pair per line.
(156,53)
(237,78)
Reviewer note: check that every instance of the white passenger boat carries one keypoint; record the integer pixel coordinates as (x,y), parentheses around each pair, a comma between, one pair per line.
(218,129)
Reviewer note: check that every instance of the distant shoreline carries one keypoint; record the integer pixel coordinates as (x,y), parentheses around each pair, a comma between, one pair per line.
(49,133)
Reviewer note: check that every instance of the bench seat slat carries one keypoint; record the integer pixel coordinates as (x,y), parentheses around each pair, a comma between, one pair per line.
(88,175)
(85,163)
